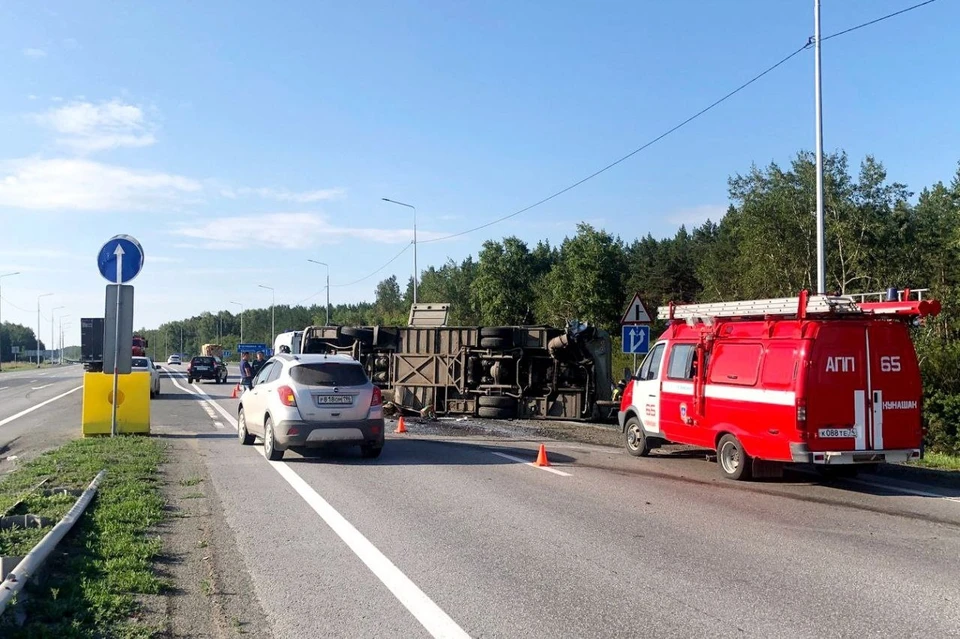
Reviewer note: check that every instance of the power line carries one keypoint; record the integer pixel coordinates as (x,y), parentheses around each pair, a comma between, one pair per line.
(362,279)
(881,19)
(646,145)
(676,127)
(15,306)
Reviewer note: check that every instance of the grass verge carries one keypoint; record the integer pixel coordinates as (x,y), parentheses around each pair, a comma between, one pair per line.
(90,583)
(938,461)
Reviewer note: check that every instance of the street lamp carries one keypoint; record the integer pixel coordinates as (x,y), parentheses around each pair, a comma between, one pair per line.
(241,319)
(38,325)
(415,272)
(53,341)
(60,320)
(63,327)
(273,317)
(328,288)
(1,318)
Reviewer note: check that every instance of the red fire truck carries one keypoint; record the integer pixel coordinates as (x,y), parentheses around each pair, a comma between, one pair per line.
(826,380)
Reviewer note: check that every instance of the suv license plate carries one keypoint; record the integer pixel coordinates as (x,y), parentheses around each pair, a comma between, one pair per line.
(831,433)
(326,400)
(202,368)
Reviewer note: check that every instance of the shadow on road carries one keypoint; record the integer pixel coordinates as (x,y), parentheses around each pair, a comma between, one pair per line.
(421,452)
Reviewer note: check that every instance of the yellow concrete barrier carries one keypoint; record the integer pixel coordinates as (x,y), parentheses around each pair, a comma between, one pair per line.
(133,407)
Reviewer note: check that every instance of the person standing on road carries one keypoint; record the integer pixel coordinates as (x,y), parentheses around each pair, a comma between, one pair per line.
(258,364)
(246,371)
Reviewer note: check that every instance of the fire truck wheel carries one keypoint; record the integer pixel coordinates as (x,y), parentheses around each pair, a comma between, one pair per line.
(364,335)
(489,412)
(733,460)
(635,439)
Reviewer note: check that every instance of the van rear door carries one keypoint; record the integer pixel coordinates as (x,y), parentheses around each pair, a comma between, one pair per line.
(836,389)
(895,387)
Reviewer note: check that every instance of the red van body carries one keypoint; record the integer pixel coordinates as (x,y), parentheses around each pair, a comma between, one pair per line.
(836,387)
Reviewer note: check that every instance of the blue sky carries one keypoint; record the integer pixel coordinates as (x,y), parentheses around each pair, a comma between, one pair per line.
(236,140)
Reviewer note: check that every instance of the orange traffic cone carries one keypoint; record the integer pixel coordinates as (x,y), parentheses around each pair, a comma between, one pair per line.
(401,425)
(542,457)
(236,389)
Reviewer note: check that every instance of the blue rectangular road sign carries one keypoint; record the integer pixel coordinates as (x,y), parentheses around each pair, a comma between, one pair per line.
(636,339)
(252,348)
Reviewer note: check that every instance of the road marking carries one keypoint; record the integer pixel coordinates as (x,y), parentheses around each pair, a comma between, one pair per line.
(428,613)
(41,387)
(33,380)
(903,491)
(218,425)
(524,461)
(40,405)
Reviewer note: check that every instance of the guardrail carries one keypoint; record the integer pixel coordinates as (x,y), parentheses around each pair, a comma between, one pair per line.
(30,564)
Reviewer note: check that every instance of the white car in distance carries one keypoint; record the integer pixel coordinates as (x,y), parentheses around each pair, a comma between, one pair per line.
(146,365)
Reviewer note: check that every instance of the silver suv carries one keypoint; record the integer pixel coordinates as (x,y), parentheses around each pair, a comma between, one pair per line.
(305,401)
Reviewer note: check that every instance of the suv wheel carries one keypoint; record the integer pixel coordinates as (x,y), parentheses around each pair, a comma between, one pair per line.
(269,443)
(242,433)
(370,451)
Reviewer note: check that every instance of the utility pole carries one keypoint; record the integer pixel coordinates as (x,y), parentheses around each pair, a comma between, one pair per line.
(53,341)
(241,319)
(328,288)
(821,241)
(273,317)
(415,271)
(38,326)
(10,337)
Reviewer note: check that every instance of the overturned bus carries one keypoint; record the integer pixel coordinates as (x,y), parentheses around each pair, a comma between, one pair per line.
(499,372)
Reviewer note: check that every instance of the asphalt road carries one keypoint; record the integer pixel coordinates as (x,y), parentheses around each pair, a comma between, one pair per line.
(452,534)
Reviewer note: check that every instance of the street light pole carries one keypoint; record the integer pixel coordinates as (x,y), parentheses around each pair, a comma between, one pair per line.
(273,317)
(1,319)
(328,288)
(415,270)
(241,319)
(53,341)
(38,326)
(821,241)
(60,320)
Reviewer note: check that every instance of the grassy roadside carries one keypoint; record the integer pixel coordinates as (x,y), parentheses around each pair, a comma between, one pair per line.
(90,583)
(938,461)
(22,366)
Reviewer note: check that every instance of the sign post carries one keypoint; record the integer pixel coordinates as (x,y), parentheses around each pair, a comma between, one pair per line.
(120,260)
(635,329)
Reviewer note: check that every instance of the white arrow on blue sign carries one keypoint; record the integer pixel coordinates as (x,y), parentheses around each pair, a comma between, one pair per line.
(636,339)
(120,259)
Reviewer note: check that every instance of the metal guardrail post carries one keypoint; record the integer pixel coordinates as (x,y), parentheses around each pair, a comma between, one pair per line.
(17,579)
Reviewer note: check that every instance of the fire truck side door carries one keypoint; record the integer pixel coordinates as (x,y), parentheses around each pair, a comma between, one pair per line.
(646,390)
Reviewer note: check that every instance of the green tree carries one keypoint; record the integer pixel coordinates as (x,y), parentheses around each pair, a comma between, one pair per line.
(502,290)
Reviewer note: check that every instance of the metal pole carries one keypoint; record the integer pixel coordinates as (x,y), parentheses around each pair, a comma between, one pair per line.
(821,247)
(38,325)
(415,271)
(328,296)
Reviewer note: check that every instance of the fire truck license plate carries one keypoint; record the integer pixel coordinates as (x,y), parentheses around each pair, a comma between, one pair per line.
(837,432)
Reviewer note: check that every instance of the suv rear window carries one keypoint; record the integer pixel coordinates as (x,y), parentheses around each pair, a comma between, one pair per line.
(323,374)
(138,363)
(203,361)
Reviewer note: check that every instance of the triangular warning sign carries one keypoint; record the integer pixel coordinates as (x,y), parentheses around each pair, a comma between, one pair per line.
(636,313)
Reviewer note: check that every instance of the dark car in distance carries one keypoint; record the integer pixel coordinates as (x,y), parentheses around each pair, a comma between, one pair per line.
(203,367)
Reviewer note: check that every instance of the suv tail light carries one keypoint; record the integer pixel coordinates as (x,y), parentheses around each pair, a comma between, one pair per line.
(287,397)
(377,399)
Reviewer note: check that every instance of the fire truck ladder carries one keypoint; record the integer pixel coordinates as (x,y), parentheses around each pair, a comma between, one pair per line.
(801,306)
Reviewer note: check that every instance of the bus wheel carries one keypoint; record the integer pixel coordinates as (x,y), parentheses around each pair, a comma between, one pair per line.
(733,460)
(635,439)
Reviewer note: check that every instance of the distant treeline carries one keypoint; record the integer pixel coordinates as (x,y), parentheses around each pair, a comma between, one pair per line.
(765,246)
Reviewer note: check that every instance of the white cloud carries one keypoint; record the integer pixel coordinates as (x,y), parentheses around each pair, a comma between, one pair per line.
(286,231)
(696,215)
(34,53)
(92,127)
(84,185)
(31,97)
(284,195)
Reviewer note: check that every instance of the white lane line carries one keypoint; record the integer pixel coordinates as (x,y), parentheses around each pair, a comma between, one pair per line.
(903,491)
(524,461)
(218,425)
(428,613)
(40,405)
(41,387)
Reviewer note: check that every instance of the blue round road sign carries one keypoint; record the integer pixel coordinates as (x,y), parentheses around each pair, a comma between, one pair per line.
(109,257)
